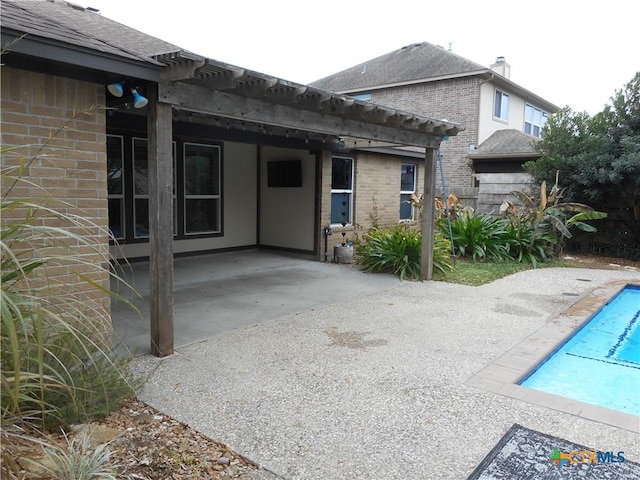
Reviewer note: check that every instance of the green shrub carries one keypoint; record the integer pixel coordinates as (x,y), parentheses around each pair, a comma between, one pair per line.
(477,236)
(525,242)
(56,364)
(398,250)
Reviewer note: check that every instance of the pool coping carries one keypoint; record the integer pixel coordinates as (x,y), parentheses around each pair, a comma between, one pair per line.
(502,375)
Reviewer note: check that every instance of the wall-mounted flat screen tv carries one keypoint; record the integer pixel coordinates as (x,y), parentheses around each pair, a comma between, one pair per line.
(284,173)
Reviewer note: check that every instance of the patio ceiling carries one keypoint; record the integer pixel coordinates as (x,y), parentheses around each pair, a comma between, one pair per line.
(208,91)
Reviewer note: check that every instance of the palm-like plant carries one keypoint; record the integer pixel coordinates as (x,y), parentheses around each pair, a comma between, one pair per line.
(550,215)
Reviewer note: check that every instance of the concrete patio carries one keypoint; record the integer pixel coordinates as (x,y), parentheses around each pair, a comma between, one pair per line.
(375,384)
(220,292)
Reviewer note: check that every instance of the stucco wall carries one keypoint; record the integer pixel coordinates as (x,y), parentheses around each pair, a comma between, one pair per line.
(53,126)
(488,123)
(287,215)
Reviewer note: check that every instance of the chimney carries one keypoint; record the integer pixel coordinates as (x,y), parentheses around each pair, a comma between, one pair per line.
(501,67)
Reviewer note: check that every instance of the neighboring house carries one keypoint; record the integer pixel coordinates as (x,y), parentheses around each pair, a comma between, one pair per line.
(427,78)
(195,155)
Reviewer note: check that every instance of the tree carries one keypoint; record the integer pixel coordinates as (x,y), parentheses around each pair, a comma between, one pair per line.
(598,158)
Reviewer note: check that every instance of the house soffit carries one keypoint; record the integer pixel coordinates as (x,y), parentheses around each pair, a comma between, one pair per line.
(240,98)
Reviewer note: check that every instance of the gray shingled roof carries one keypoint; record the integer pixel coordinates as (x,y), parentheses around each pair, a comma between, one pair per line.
(420,61)
(503,143)
(78,34)
(80,27)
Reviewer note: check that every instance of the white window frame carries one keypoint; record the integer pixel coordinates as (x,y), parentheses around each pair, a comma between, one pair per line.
(503,107)
(408,192)
(217,196)
(533,123)
(349,191)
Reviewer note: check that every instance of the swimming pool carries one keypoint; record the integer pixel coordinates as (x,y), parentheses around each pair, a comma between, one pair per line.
(600,363)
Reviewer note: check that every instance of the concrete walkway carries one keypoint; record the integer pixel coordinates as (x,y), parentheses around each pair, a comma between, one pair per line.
(375,385)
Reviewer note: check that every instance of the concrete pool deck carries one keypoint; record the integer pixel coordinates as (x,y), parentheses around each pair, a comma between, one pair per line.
(384,384)
(502,375)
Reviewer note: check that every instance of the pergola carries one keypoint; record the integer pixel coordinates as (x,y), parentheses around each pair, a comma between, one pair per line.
(196,89)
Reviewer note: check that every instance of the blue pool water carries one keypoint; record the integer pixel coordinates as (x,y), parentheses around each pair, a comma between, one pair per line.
(600,363)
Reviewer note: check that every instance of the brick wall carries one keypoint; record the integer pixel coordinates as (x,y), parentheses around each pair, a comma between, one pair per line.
(53,127)
(454,100)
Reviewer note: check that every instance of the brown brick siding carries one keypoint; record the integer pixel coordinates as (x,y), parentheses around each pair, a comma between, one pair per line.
(376,195)
(453,100)
(56,129)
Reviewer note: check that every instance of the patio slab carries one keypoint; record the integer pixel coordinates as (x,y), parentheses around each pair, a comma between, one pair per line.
(377,385)
(218,292)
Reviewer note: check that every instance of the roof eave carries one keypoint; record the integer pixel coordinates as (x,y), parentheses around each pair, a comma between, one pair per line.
(414,82)
(501,156)
(16,42)
(524,93)
(485,73)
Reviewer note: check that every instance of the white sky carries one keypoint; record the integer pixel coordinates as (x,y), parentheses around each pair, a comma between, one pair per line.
(569,52)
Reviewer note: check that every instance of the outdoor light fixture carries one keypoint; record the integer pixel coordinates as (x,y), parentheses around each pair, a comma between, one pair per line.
(135,98)
(116,89)
(138,100)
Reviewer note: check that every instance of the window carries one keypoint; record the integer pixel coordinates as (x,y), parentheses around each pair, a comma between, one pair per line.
(407,188)
(197,190)
(115,186)
(141,189)
(501,107)
(534,120)
(201,189)
(363,96)
(341,190)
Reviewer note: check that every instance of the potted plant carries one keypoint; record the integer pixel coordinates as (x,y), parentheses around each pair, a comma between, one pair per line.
(343,253)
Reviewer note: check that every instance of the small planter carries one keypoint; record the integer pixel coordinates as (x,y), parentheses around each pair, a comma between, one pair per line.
(343,254)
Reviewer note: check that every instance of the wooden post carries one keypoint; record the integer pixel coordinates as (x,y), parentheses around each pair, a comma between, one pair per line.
(426,255)
(159,131)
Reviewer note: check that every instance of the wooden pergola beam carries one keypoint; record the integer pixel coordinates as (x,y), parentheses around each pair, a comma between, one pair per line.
(226,104)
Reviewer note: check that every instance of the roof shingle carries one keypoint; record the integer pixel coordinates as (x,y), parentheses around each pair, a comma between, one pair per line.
(507,142)
(419,61)
(81,27)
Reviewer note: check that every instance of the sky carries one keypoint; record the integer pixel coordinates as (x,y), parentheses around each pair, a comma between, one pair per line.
(571,53)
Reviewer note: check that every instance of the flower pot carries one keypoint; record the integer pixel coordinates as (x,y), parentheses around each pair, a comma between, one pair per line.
(343,253)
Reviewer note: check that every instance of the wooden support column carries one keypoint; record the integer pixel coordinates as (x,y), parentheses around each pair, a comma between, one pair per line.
(426,255)
(159,131)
